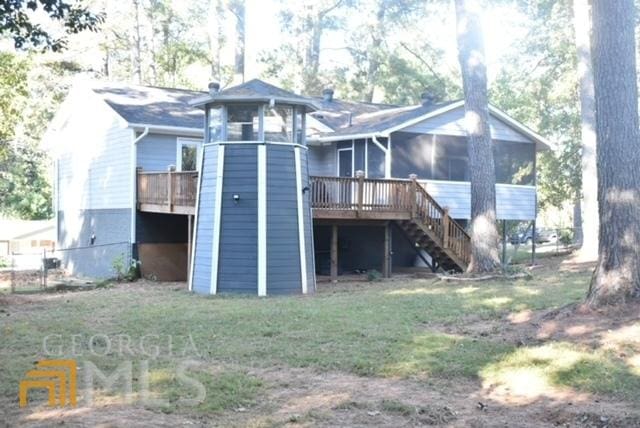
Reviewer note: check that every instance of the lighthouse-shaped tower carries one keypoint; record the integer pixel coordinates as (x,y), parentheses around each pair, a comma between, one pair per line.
(253,228)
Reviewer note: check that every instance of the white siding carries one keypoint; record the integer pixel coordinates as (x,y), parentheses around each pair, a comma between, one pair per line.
(93,147)
(512,202)
(452,123)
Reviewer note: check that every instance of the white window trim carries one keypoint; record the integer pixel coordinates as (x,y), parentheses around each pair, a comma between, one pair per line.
(181,141)
(353,160)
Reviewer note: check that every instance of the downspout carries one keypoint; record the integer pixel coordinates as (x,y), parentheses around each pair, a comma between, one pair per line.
(134,183)
(387,154)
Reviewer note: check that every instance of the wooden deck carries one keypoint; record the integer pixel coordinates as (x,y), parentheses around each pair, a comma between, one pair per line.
(339,199)
(331,197)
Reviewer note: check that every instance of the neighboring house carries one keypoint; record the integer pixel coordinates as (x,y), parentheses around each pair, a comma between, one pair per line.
(126,160)
(26,236)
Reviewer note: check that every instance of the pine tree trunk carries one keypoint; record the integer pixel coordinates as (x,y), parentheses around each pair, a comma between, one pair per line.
(137,45)
(589,223)
(617,275)
(238,8)
(484,232)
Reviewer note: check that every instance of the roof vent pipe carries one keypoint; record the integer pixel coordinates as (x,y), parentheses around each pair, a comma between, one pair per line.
(214,88)
(327,94)
(428,98)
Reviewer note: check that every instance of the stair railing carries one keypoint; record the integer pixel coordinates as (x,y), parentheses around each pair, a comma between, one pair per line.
(436,218)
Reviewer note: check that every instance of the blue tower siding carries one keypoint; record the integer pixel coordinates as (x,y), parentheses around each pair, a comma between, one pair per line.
(283,256)
(201,282)
(238,259)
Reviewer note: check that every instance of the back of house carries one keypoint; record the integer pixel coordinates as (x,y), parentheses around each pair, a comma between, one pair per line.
(126,173)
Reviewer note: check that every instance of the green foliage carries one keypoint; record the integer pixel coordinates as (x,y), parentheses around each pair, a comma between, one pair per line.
(125,272)
(25,191)
(373,275)
(30,92)
(16,21)
(566,237)
(538,86)
(13,89)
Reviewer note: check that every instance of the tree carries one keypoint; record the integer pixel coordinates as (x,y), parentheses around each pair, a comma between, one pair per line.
(16,22)
(617,275)
(589,249)
(238,9)
(484,232)
(296,63)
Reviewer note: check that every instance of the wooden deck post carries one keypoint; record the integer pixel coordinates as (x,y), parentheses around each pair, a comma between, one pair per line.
(386,263)
(360,177)
(445,228)
(170,171)
(414,195)
(334,253)
(189,238)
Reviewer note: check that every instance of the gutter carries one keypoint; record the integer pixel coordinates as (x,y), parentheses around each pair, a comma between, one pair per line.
(134,180)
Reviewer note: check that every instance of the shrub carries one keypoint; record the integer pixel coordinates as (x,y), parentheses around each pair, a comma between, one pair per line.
(373,275)
(123,272)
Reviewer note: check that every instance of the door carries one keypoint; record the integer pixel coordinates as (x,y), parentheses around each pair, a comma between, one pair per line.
(345,169)
(345,163)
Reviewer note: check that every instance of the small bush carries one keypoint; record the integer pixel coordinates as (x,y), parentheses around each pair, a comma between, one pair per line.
(123,272)
(4,262)
(566,237)
(373,275)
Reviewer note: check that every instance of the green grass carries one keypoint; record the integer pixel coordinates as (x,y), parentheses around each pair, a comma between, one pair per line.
(378,329)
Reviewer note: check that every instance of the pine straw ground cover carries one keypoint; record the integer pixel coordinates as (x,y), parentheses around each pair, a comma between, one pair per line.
(394,353)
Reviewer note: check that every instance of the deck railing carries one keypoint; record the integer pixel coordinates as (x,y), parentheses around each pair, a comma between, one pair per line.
(173,191)
(391,196)
(346,193)
(168,189)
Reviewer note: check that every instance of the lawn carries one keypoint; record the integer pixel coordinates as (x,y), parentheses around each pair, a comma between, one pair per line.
(412,351)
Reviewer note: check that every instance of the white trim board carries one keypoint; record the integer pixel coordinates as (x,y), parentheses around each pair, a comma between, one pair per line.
(217,218)
(300,207)
(262,220)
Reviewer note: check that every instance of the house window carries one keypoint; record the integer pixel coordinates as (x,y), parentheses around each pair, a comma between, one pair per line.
(243,123)
(188,155)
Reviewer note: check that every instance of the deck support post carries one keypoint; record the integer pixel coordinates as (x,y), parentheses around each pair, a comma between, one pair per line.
(360,177)
(189,240)
(386,266)
(334,253)
(414,195)
(504,242)
(534,238)
(445,228)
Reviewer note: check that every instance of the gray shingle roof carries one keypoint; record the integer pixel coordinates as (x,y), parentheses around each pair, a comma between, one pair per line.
(335,113)
(385,119)
(154,106)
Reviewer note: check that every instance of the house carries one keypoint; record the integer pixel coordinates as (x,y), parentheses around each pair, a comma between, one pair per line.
(127,160)
(26,236)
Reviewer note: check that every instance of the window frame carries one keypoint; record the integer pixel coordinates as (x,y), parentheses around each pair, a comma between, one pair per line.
(185,141)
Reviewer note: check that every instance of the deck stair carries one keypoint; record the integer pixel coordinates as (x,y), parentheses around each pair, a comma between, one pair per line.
(432,229)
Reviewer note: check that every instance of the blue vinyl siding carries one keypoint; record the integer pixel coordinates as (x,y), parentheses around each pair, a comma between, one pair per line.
(156,152)
(283,256)
(204,232)
(238,265)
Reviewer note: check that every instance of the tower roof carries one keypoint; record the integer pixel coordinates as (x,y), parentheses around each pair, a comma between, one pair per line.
(254,90)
